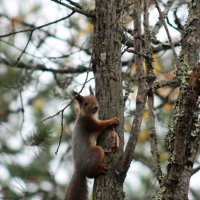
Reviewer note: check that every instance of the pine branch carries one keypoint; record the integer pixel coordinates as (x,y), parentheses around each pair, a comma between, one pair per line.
(40,136)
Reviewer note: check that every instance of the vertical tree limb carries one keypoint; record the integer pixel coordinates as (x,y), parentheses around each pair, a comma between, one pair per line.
(141,95)
(150,100)
(181,143)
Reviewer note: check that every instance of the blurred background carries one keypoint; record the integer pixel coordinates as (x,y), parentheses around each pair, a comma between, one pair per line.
(41,63)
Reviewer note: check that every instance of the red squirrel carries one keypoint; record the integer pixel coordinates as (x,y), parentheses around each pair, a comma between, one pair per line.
(87,156)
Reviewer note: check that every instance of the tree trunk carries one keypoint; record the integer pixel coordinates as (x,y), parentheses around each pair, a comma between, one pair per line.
(183,137)
(107,70)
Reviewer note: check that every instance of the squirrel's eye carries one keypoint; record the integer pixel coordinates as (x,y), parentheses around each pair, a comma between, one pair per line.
(85,104)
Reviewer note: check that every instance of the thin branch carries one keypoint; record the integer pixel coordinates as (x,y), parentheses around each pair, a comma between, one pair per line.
(52,116)
(171,83)
(195,170)
(164,47)
(8,130)
(62,128)
(76,9)
(40,67)
(177,21)
(135,52)
(153,138)
(47,33)
(168,22)
(23,118)
(37,27)
(150,100)
(75,4)
(126,40)
(62,113)
(29,39)
(165,13)
(155,49)
(166,29)
(42,57)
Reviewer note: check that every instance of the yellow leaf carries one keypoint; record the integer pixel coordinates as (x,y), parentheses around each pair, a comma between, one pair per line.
(156,65)
(163,156)
(145,115)
(133,69)
(127,127)
(38,104)
(89,28)
(143,136)
(168,107)
(16,20)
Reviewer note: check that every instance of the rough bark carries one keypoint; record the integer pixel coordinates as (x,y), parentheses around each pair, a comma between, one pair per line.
(183,137)
(141,94)
(107,70)
(150,97)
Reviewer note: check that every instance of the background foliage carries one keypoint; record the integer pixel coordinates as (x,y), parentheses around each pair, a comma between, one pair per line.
(41,65)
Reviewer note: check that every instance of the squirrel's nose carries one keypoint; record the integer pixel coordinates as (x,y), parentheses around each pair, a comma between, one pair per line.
(95,108)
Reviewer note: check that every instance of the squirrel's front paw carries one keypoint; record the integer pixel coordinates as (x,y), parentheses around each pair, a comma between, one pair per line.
(115,120)
(103,168)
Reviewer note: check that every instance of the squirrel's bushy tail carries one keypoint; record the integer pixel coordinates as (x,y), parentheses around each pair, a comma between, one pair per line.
(77,189)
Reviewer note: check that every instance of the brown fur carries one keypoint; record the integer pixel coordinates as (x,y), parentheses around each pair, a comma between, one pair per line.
(88,157)
(79,184)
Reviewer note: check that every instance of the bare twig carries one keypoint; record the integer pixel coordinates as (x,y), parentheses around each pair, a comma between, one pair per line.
(135,52)
(195,170)
(155,49)
(40,57)
(47,32)
(7,129)
(29,39)
(164,47)
(166,29)
(165,13)
(62,128)
(153,139)
(62,113)
(23,118)
(76,9)
(37,27)
(40,67)
(168,22)
(177,21)
(75,4)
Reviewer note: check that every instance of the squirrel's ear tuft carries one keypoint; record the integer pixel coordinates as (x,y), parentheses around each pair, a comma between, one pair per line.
(78,97)
(91,91)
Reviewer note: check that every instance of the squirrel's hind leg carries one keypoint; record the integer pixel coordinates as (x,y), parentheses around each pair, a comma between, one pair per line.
(98,165)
